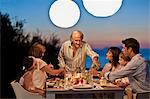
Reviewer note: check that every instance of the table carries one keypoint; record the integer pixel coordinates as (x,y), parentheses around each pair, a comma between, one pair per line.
(118,92)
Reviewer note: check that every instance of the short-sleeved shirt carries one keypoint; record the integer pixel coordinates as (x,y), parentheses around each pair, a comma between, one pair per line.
(71,62)
(136,71)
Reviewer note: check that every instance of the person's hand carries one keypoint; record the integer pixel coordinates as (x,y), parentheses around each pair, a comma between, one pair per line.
(93,72)
(41,92)
(51,66)
(121,84)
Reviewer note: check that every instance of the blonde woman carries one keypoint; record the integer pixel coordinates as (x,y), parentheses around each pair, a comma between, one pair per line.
(35,69)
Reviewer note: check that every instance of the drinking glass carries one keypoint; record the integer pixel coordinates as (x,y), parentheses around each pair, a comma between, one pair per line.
(68,78)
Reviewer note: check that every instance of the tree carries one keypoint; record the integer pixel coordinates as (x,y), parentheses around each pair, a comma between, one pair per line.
(52,48)
(15,46)
(8,55)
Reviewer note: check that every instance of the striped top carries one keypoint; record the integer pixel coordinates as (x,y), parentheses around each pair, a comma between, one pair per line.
(73,63)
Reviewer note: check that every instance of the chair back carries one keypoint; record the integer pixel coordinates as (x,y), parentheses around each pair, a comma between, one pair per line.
(21,93)
(148,70)
(145,95)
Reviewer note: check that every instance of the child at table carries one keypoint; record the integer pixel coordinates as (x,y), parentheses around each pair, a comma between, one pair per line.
(124,82)
(33,76)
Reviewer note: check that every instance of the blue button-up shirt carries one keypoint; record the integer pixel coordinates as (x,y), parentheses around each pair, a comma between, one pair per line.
(137,72)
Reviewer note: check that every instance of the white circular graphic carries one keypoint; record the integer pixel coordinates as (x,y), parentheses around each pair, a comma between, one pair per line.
(102,8)
(64,13)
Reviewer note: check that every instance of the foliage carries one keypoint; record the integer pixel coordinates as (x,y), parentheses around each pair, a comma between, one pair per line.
(14,47)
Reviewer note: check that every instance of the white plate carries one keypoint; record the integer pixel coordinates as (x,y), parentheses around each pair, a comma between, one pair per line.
(109,85)
(85,86)
(57,89)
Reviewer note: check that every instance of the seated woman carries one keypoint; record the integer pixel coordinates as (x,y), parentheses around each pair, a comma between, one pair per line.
(33,76)
(113,56)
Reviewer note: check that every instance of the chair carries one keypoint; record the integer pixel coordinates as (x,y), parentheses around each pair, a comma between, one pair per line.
(145,95)
(21,93)
(134,96)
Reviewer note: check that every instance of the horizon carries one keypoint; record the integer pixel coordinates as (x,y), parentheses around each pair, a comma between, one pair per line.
(132,20)
(145,52)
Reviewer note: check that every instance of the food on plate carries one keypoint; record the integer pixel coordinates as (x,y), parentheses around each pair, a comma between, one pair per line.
(80,79)
(55,83)
(50,84)
(84,86)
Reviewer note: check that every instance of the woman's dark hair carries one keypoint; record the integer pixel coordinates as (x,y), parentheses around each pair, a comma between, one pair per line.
(115,54)
(26,64)
(37,50)
(133,43)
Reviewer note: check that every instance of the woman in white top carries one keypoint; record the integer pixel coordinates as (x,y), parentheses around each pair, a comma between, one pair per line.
(35,69)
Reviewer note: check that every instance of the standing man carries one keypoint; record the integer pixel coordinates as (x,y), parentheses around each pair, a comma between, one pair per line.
(136,69)
(72,54)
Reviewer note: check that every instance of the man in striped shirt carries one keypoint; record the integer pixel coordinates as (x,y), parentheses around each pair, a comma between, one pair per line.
(73,52)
